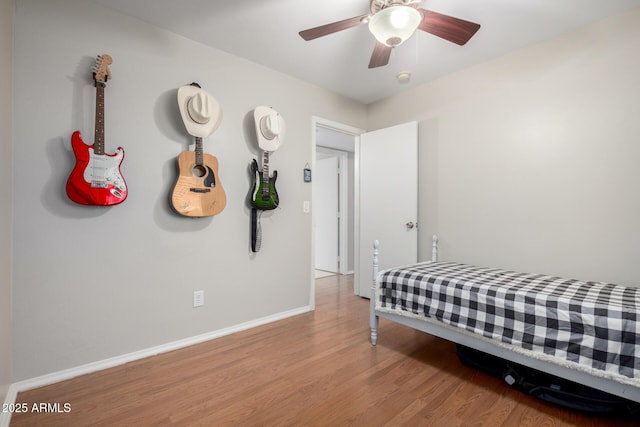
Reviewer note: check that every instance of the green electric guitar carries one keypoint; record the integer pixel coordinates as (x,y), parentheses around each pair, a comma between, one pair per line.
(264,194)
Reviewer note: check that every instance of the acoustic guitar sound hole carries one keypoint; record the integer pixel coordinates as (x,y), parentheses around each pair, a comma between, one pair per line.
(199,171)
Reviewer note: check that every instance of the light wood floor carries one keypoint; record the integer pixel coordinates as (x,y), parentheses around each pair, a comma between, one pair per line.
(316,369)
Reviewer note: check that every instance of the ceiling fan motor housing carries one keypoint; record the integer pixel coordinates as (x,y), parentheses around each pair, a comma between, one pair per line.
(377,5)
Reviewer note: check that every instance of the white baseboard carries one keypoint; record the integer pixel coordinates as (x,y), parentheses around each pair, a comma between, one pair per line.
(67,374)
(10,398)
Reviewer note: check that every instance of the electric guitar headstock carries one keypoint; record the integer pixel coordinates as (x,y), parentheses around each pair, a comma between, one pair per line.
(101,72)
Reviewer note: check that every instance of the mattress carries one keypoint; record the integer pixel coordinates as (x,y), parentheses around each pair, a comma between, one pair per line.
(593,324)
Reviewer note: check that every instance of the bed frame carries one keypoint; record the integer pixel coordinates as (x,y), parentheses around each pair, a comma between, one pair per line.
(465,338)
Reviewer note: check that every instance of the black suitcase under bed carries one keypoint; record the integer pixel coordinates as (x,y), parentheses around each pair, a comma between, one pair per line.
(550,388)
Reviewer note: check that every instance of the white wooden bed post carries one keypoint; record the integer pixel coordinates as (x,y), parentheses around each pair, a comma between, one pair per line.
(434,248)
(373,318)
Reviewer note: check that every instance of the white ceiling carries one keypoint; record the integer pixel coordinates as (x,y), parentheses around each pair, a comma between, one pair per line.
(266,32)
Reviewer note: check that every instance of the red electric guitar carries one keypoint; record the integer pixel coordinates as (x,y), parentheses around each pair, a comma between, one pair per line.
(96,178)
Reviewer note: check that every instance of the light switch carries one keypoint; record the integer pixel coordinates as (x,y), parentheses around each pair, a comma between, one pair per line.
(305,206)
(198,298)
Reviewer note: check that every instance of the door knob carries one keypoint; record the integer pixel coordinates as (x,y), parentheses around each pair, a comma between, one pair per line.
(410,225)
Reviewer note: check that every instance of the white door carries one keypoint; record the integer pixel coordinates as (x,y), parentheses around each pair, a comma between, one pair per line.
(325,193)
(387,200)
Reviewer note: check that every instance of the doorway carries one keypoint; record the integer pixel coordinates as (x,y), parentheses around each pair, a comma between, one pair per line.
(400,214)
(333,144)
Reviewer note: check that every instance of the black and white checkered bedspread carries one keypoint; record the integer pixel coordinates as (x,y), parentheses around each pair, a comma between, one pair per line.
(591,323)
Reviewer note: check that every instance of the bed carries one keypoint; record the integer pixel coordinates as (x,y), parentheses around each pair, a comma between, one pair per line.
(586,332)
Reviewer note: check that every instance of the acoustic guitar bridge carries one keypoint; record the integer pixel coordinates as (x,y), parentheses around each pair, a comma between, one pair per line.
(200,190)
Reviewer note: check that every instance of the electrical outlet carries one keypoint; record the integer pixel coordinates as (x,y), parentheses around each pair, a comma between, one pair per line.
(198,298)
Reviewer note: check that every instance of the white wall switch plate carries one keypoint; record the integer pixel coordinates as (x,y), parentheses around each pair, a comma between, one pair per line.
(198,298)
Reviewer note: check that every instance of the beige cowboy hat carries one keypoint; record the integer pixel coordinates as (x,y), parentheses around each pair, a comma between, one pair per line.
(200,111)
(270,128)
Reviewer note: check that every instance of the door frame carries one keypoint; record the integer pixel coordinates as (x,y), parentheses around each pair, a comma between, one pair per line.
(317,122)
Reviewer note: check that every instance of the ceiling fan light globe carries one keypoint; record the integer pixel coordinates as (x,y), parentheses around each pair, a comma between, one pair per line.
(395,24)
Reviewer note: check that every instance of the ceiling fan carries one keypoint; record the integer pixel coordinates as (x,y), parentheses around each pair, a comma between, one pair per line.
(394,21)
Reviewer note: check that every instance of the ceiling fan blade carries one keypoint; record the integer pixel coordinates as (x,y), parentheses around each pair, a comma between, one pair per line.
(334,27)
(455,30)
(380,55)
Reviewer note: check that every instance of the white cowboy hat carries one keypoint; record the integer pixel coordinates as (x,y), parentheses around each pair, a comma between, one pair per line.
(200,111)
(270,128)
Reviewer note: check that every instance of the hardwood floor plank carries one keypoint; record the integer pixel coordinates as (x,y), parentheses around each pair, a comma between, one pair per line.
(315,369)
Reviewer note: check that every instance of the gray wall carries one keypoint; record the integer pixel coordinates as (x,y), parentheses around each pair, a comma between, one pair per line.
(93,283)
(530,161)
(6,206)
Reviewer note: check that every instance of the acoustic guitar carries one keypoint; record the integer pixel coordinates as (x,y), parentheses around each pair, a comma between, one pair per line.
(264,193)
(198,191)
(96,178)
